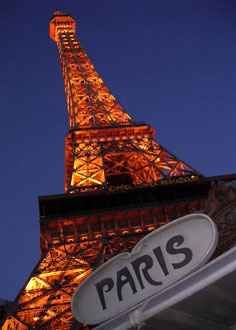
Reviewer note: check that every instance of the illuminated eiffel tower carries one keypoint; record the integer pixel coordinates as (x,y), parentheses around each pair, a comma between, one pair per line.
(120,184)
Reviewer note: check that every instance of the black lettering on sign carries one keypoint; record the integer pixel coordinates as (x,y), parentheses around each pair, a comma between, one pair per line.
(124,277)
(171,249)
(141,267)
(147,261)
(108,283)
(160,258)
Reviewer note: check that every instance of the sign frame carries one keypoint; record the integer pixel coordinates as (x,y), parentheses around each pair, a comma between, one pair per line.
(118,273)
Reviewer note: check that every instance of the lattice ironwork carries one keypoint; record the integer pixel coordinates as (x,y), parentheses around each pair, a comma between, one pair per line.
(90,104)
(44,302)
(104,146)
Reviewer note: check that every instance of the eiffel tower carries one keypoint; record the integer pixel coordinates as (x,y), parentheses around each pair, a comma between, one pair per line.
(120,184)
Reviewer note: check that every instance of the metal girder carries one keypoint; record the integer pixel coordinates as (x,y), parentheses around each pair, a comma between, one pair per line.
(44,302)
(90,161)
(143,160)
(89,101)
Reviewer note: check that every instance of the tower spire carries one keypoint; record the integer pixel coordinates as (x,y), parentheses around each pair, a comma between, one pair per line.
(90,103)
(104,147)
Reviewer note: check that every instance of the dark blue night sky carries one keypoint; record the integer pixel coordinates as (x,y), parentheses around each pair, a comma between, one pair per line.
(170,63)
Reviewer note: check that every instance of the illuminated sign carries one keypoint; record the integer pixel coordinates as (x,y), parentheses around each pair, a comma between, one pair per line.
(154,183)
(157,261)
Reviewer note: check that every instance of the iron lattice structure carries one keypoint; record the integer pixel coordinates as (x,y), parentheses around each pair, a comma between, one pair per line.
(73,246)
(44,302)
(104,148)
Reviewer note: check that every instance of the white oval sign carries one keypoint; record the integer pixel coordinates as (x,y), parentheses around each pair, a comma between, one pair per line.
(159,259)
